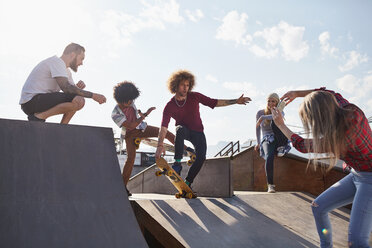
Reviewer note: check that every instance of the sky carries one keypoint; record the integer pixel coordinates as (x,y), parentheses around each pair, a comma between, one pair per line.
(232,47)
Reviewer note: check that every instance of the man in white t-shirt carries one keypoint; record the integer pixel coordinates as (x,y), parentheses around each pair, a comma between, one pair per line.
(41,96)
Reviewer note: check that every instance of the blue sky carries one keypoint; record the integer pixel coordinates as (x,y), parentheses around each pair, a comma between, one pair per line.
(232,47)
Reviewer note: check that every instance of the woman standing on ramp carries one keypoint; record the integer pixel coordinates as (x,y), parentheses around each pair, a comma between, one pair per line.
(340,129)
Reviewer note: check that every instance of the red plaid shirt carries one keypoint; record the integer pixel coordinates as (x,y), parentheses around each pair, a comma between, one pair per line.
(358,139)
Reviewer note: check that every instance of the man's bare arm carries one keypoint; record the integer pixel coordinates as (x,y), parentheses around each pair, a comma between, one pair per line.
(240,100)
(66,87)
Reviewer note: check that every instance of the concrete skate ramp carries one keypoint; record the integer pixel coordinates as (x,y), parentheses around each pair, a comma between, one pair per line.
(249,219)
(60,186)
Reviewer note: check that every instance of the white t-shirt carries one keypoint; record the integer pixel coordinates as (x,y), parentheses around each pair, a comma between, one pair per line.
(42,78)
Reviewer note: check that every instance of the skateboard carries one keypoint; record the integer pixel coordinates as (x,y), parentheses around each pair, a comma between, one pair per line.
(184,191)
(167,147)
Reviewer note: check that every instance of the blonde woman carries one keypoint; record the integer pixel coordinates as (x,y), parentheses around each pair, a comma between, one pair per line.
(273,141)
(340,129)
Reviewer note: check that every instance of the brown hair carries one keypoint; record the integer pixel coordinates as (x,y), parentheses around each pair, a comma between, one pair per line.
(328,122)
(73,48)
(179,76)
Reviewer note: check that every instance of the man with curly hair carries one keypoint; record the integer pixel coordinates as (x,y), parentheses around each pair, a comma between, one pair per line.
(184,109)
(131,121)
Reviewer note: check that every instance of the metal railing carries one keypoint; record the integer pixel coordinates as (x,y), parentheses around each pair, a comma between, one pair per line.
(229,148)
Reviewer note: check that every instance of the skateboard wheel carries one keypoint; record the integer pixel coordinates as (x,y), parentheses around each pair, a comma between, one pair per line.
(178,195)
(137,141)
(158,173)
(189,163)
(189,195)
(169,173)
(193,158)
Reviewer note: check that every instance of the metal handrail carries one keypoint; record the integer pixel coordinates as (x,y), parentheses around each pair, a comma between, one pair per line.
(230,149)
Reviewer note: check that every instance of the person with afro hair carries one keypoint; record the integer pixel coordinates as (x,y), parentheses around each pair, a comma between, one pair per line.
(131,121)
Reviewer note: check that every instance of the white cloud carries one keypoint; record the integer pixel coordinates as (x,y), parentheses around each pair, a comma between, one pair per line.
(211,78)
(353,60)
(242,87)
(325,46)
(283,39)
(348,83)
(369,104)
(285,36)
(194,16)
(120,27)
(265,53)
(233,28)
(359,89)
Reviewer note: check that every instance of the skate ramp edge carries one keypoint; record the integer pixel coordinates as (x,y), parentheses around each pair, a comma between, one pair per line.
(60,186)
(213,180)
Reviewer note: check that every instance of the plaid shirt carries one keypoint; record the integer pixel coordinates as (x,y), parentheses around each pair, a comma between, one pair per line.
(358,138)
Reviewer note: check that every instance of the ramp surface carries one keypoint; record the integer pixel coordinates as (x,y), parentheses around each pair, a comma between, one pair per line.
(249,219)
(60,186)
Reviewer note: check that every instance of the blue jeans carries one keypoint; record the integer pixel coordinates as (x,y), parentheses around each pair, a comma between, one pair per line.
(269,150)
(355,188)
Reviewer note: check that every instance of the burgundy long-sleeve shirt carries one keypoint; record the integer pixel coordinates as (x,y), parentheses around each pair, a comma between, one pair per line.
(358,138)
(186,113)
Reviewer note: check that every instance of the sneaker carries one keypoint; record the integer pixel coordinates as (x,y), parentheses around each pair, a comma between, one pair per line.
(177,167)
(34,118)
(281,151)
(270,188)
(129,194)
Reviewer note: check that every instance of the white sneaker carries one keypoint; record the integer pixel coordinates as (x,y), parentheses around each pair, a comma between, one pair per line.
(270,188)
(281,151)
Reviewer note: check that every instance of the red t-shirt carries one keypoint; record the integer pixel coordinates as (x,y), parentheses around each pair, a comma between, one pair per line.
(187,113)
(129,114)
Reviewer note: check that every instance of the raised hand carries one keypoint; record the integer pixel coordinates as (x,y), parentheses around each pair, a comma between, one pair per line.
(99,98)
(289,96)
(243,100)
(80,84)
(277,116)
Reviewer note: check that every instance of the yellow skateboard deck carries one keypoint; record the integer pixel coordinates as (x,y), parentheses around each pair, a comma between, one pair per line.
(184,191)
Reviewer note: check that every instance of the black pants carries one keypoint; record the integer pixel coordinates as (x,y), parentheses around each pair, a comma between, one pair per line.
(280,138)
(43,102)
(200,144)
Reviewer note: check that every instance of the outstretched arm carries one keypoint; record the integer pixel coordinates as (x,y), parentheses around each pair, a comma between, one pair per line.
(240,100)
(291,95)
(134,124)
(66,87)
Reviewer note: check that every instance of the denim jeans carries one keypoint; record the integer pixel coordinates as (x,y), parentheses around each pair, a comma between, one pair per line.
(355,188)
(269,152)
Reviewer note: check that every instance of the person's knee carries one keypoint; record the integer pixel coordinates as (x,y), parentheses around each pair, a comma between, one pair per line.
(78,102)
(317,210)
(180,131)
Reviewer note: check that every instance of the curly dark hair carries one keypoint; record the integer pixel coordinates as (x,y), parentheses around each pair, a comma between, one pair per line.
(125,91)
(179,76)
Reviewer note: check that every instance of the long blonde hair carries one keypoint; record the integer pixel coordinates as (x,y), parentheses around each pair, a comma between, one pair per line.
(267,109)
(328,122)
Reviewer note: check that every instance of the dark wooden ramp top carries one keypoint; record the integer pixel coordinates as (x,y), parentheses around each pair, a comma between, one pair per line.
(60,186)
